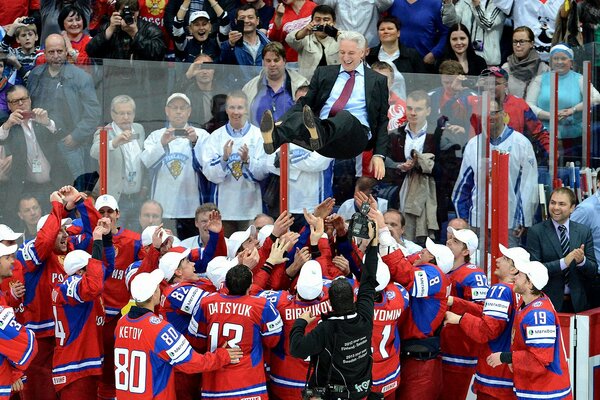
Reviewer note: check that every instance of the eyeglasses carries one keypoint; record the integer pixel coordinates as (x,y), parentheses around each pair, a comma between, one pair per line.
(520,42)
(17,101)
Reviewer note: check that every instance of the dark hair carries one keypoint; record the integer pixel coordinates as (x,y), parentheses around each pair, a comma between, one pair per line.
(563,190)
(451,67)
(323,9)
(365,183)
(274,47)
(341,297)
(391,20)
(238,280)
(66,12)
(245,7)
(527,30)
(3,58)
(449,53)
(14,88)
(133,5)
(382,65)
(398,213)
(419,95)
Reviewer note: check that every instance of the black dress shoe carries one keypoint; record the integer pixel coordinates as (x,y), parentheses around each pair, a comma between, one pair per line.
(309,122)
(267,126)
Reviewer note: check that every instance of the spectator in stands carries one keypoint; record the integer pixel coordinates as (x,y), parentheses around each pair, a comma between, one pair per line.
(522,177)
(4,86)
(459,46)
(524,64)
(173,153)
(25,54)
(403,59)
(126,175)
(486,25)
(68,94)
(234,160)
(219,115)
(30,212)
(244,48)
(126,36)
(265,13)
(201,220)
(358,17)
(570,100)
(72,24)
(200,87)
(422,28)
(397,109)
(151,213)
(261,220)
(273,89)
(290,15)
(51,9)
(566,248)
(28,136)
(540,18)
(316,42)
(396,223)
(365,185)
(202,41)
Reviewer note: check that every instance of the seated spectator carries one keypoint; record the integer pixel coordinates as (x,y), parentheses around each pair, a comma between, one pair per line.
(364,185)
(273,89)
(173,154)
(126,174)
(126,36)
(265,13)
(234,160)
(570,101)
(524,64)
(316,43)
(359,16)
(403,59)
(25,54)
(244,48)
(72,24)
(290,15)
(151,213)
(200,86)
(422,29)
(459,47)
(202,41)
(486,21)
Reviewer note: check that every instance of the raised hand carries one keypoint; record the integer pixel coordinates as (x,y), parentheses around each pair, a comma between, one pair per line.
(342,264)
(277,251)
(316,231)
(282,224)
(249,257)
(215,224)
(324,208)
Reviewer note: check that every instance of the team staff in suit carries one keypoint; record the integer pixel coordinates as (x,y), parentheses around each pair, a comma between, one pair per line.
(571,261)
(350,103)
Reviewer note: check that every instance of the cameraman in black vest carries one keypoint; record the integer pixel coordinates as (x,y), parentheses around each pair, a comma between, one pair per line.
(340,346)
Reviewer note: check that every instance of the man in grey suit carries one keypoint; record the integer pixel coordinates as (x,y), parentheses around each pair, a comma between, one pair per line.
(125,170)
(566,248)
(343,113)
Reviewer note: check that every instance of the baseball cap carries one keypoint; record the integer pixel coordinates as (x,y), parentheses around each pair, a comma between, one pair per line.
(383,275)
(106,200)
(6,233)
(264,233)
(237,238)
(7,250)
(149,231)
(43,219)
(536,272)
(468,237)
(217,268)
(179,96)
(170,261)
(76,260)
(495,71)
(144,284)
(443,255)
(310,280)
(198,14)
(517,254)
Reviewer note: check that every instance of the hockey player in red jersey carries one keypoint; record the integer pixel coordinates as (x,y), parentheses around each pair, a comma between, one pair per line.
(537,355)
(491,325)
(243,321)
(13,286)
(147,348)
(469,282)
(17,343)
(79,318)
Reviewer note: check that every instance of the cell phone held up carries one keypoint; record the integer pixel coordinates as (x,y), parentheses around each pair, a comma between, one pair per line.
(28,21)
(180,133)
(27,115)
(239,27)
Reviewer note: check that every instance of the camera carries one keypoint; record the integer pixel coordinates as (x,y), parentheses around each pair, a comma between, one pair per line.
(316,393)
(180,133)
(318,28)
(359,224)
(127,15)
(28,21)
(478,45)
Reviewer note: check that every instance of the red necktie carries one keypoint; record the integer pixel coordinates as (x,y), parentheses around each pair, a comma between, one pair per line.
(340,103)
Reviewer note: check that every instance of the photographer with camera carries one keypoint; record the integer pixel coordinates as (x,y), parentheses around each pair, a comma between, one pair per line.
(316,43)
(127,36)
(340,346)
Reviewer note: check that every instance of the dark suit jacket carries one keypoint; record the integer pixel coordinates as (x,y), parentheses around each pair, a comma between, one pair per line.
(544,245)
(376,92)
(409,60)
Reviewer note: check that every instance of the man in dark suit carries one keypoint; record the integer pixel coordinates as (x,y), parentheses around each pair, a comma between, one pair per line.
(351,104)
(566,248)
